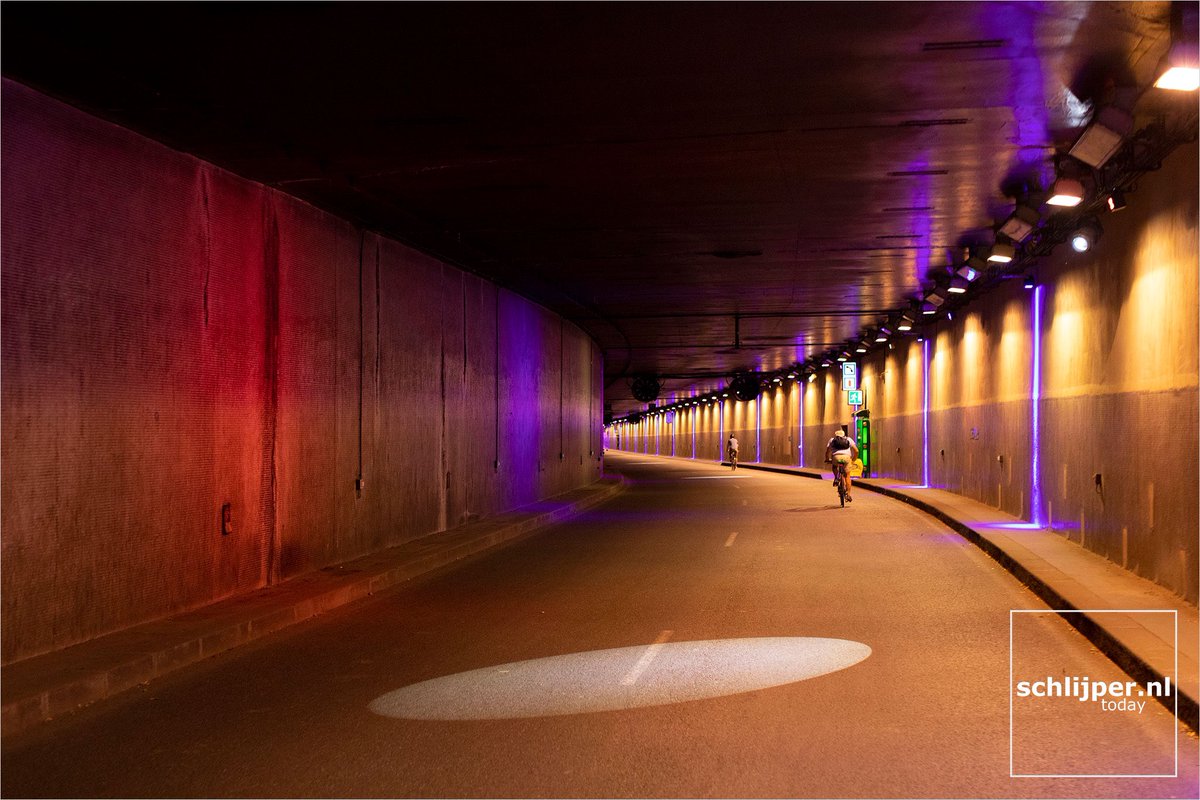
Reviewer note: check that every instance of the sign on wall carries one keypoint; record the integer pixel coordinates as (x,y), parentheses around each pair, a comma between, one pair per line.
(849,376)
(854,397)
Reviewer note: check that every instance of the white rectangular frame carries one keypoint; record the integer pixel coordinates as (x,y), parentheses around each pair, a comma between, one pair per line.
(1174,678)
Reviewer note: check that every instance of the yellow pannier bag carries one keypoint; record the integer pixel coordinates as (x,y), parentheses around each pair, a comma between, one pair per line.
(855,470)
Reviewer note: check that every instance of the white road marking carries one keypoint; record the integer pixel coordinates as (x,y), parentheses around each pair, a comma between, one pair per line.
(729,541)
(647,657)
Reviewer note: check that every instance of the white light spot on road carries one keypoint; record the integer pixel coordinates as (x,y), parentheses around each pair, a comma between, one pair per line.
(646,659)
(729,541)
(580,683)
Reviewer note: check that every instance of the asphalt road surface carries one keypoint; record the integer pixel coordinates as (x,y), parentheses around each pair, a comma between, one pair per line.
(705,634)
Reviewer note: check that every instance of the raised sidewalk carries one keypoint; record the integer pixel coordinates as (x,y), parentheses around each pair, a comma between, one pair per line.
(46,686)
(1094,595)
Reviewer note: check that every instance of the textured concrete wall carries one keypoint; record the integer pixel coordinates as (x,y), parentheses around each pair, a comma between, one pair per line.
(1118,365)
(176,338)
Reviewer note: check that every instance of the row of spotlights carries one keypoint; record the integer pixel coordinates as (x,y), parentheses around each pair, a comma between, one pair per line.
(1109,128)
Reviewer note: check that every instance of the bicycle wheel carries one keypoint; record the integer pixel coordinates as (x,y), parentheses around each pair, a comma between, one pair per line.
(842,490)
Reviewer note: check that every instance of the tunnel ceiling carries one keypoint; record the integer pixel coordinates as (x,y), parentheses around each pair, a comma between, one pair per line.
(704,188)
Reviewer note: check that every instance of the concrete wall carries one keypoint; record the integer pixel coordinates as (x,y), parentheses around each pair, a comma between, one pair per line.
(1117,365)
(176,338)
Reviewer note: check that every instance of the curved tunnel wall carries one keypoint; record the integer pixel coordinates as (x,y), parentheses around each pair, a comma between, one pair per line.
(1116,380)
(176,338)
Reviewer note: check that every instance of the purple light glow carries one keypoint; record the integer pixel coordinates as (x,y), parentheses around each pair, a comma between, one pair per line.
(1026,83)
(521,341)
(721,431)
(1007,526)
(758,430)
(799,351)
(1035,494)
(695,413)
(800,432)
(925,417)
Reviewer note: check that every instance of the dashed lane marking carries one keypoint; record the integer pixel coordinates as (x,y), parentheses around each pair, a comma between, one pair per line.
(647,657)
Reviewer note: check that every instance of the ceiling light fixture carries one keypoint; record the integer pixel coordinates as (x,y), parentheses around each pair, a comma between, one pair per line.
(1067,193)
(1179,77)
(1085,236)
(1020,223)
(928,309)
(1029,281)
(1180,68)
(1103,137)
(906,323)
(1002,253)
(1116,200)
(958,285)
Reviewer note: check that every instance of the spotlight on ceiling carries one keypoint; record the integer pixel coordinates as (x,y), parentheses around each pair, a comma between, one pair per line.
(905,323)
(928,309)
(1029,282)
(1085,237)
(861,347)
(883,333)
(646,388)
(1179,76)
(971,269)
(1180,67)
(935,298)
(843,356)
(1067,192)
(958,285)
(1002,253)
(1020,223)
(745,387)
(1103,137)
(1116,200)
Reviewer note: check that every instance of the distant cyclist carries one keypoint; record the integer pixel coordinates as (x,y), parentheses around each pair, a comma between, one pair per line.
(731,450)
(841,450)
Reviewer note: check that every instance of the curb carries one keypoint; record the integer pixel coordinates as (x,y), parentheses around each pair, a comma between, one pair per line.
(86,688)
(1188,711)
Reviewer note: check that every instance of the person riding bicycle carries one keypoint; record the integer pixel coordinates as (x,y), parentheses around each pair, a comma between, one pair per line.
(840,451)
(731,450)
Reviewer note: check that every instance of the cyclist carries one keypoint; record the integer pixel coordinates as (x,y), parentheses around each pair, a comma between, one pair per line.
(731,449)
(841,450)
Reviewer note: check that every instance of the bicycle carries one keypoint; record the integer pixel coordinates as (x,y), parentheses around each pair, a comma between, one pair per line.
(839,479)
(733,458)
